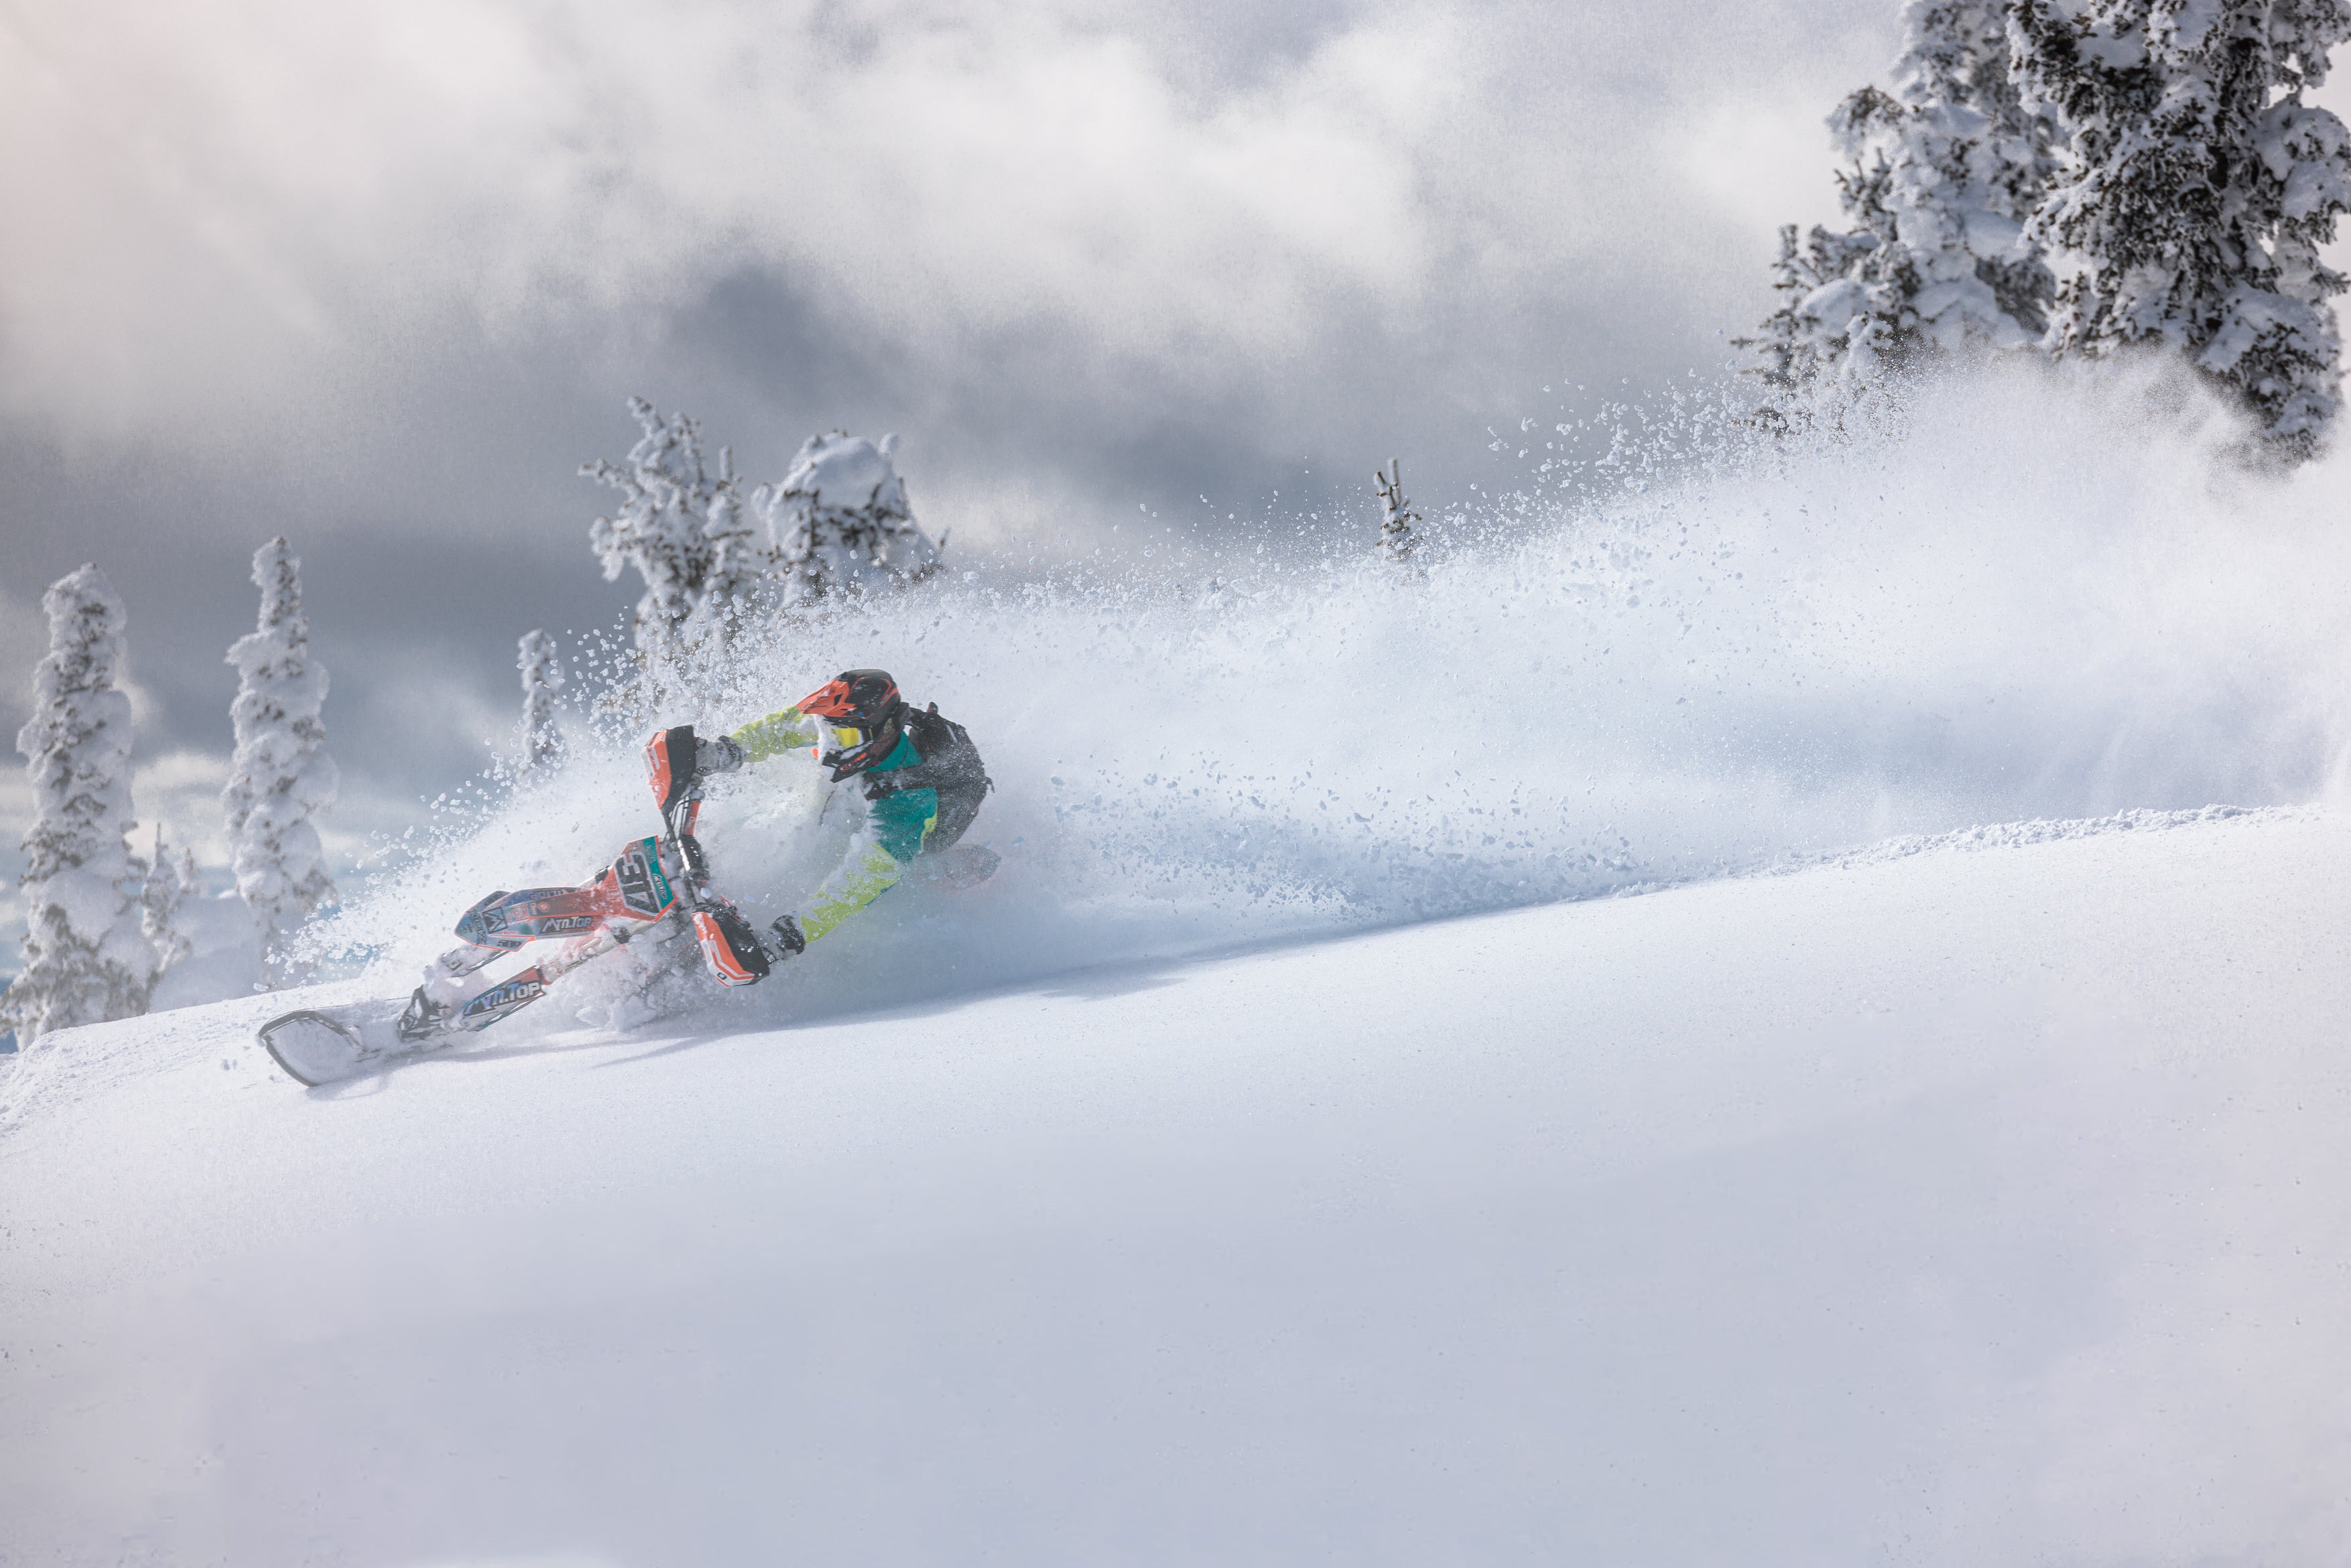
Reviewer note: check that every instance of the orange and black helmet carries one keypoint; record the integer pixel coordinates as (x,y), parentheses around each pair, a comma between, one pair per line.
(866,701)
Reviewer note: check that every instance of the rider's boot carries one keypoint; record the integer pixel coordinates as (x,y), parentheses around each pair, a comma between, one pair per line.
(424,1015)
(447,985)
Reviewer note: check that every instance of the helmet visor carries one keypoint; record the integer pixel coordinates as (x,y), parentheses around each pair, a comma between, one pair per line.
(854,696)
(831,700)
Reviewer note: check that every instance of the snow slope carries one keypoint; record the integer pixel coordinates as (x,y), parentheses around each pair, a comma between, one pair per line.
(1945,1205)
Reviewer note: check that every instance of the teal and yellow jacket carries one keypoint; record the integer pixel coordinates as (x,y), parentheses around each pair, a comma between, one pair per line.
(885,844)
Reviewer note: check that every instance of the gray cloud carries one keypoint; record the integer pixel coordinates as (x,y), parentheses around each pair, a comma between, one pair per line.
(378,279)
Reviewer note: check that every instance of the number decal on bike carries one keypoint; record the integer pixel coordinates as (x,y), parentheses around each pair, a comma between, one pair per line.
(643,888)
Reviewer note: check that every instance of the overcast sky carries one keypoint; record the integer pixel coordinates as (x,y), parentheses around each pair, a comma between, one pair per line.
(379,277)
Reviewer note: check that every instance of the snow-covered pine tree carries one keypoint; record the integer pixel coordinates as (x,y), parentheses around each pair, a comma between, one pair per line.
(542,678)
(1799,347)
(1399,541)
(2198,189)
(167,887)
(1941,177)
(280,777)
(838,522)
(192,882)
(86,959)
(1967,172)
(680,528)
(737,580)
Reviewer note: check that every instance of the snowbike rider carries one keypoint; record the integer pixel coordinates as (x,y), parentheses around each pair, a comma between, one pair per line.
(919,775)
(922,782)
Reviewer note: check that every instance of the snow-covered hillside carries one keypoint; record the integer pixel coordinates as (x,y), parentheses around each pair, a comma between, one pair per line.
(1947,1205)
(1301,1151)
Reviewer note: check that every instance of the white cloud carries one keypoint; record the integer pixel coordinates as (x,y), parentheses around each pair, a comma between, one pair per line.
(24,638)
(220,210)
(207,196)
(181,791)
(1763,162)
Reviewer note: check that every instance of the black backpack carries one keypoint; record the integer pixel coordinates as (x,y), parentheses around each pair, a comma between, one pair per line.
(950,765)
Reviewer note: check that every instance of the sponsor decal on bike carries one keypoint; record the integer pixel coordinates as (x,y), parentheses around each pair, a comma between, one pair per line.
(489,928)
(504,998)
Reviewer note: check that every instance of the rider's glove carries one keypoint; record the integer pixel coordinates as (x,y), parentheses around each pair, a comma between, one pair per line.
(784,938)
(718,754)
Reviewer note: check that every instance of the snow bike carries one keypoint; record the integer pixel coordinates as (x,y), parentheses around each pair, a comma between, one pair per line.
(652,880)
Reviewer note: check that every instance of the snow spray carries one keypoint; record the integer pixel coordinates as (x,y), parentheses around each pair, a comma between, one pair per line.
(2029,595)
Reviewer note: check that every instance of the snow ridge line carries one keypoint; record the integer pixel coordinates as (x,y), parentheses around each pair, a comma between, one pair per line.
(2037,831)
(1984,836)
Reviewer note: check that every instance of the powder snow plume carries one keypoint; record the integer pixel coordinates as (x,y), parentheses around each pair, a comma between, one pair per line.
(2035,598)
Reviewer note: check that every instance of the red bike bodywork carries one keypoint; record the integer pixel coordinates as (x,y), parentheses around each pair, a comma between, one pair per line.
(637,889)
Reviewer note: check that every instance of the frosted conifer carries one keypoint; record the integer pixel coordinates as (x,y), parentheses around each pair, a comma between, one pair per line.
(736,578)
(1971,170)
(1945,173)
(679,527)
(168,885)
(280,777)
(86,959)
(840,523)
(1797,345)
(542,678)
(1942,175)
(2198,189)
(1400,541)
